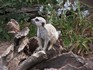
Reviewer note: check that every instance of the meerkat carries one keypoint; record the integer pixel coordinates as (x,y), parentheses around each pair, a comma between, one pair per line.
(46,32)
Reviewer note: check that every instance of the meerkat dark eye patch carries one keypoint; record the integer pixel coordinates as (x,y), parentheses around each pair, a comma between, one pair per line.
(43,23)
(36,19)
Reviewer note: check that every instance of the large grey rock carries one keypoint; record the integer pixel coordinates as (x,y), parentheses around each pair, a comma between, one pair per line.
(62,60)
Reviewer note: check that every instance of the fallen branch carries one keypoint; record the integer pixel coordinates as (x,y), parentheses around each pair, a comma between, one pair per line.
(37,58)
(31,61)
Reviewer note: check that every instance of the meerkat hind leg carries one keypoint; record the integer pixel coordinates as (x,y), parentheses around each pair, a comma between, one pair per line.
(50,46)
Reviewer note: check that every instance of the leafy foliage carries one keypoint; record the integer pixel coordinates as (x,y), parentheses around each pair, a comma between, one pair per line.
(77,31)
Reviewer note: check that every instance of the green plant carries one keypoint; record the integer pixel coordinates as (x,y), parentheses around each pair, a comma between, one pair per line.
(73,28)
(76,29)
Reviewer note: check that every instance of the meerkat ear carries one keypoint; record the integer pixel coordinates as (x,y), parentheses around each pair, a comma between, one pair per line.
(43,24)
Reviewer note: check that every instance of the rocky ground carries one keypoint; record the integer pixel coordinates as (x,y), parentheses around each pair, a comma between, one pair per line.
(64,61)
(3,47)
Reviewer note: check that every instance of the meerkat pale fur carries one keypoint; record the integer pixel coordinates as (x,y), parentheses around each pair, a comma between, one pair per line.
(46,32)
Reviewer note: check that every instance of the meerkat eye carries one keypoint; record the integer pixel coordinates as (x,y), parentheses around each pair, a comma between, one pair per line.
(36,19)
(43,23)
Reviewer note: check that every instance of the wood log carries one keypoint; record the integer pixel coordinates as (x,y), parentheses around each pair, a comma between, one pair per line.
(37,58)
(32,60)
(89,3)
(29,11)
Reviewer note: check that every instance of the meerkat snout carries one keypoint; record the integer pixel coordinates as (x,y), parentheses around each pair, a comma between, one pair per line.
(38,21)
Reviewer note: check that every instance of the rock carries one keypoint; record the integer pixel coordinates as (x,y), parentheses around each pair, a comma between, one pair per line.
(89,64)
(89,3)
(68,67)
(62,60)
(2,66)
(66,61)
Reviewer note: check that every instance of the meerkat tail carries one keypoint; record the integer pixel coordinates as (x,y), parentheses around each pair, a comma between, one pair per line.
(50,47)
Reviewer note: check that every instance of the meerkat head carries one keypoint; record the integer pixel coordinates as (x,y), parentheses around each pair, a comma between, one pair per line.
(39,21)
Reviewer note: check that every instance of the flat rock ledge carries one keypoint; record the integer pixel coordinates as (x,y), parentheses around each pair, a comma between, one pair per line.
(66,61)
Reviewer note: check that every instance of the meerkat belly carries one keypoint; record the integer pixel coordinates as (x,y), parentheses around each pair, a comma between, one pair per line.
(43,33)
